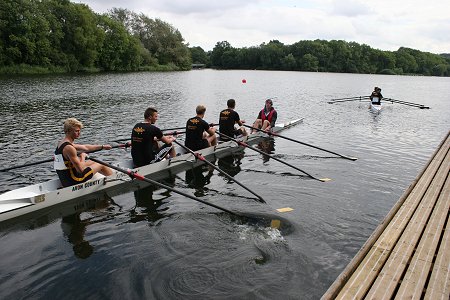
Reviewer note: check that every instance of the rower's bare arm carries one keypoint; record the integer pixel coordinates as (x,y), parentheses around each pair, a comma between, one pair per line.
(78,163)
(167,139)
(89,148)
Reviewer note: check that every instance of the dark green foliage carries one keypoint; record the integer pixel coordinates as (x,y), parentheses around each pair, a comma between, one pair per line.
(329,56)
(49,36)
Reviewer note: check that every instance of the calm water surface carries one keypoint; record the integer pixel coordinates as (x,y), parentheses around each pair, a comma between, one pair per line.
(153,244)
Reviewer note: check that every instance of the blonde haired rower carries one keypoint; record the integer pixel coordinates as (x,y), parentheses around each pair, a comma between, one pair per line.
(70,168)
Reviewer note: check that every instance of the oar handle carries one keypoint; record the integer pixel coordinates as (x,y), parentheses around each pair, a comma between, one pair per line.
(138,176)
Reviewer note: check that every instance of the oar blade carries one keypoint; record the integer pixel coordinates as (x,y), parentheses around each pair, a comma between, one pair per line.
(325,179)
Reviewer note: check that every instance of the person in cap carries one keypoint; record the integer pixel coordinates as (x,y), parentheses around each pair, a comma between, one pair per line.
(73,168)
(145,148)
(376,96)
(266,117)
(199,134)
(227,120)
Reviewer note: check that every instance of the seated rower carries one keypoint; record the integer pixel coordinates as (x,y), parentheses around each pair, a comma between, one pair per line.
(266,117)
(228,118)
(145,148)
(199,134)
(376,96)
(70,168)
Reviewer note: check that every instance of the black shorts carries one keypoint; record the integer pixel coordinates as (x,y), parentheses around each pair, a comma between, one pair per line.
(162,153)
(236,133)
(72,176)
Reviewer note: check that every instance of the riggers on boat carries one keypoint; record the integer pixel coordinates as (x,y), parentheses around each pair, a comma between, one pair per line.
(40,196)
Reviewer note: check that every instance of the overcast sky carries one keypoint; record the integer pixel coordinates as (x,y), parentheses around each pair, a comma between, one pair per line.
(383,24)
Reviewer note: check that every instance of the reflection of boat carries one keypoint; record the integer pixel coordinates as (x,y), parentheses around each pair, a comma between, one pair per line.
(43,195)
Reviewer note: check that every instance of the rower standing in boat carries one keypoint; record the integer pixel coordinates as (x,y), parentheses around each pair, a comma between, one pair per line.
(228,118)
(70,168)
(145,148)
(376,96)
(266,117)
(199,134)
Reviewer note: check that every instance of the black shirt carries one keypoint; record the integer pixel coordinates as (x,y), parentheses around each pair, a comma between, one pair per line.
(227,119)
(142,143)
(194,133)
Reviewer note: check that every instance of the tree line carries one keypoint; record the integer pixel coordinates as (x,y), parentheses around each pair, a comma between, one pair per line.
(61,36)
(324,56)
(47,36)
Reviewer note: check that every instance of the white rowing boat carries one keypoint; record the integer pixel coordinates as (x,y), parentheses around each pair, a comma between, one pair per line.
(376,107)
(39,196)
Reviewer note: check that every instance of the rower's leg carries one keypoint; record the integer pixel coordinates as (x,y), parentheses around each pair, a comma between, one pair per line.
(257,124)
(265,124)
(212,140)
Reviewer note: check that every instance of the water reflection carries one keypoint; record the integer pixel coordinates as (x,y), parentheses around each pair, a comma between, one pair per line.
(198,177)
(231,164)
(74,228)
(148,208)
(267,146)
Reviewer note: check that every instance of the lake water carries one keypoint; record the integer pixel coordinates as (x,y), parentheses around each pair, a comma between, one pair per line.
(159,245)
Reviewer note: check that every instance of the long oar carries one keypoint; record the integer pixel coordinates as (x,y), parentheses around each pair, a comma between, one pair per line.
(168,129)
(271,156)
(199,156)
(348,99)
(129,138)
(126,145)
(421,106)
(136,175)
(178,128)
(302,143)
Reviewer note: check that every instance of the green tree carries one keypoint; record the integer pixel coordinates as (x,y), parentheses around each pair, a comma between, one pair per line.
(217,54)
(199,55)
(272,54)
(405,61)
(120,50)
(24,33)
(288,62)
(309,63)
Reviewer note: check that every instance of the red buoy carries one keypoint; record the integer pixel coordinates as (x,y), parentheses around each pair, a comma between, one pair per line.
(244,81)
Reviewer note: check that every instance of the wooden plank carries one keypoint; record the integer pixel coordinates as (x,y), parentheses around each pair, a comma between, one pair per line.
(387,281)
(367,272)
(439,284)
(414,281)
(343,280)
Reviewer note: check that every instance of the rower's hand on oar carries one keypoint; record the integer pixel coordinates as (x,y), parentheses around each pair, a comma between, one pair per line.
(106,147)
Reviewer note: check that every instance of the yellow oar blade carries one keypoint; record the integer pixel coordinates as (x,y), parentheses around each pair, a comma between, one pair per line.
(284,209)
(325,179)
(275,224)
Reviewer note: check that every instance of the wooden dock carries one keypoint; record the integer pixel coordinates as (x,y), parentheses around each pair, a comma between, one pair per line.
(408,255)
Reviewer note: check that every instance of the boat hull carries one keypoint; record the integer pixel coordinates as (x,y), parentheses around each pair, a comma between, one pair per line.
(40,196)
(376,108)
